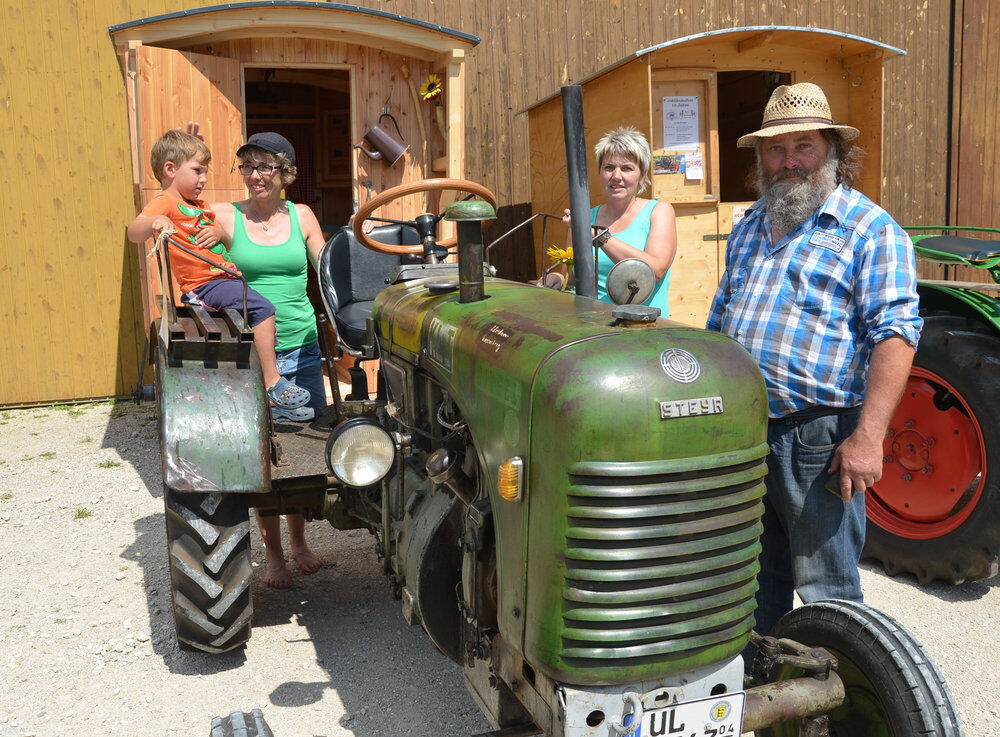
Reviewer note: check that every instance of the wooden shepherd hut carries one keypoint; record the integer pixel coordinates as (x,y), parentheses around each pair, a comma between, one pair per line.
(322,75)
(693,98)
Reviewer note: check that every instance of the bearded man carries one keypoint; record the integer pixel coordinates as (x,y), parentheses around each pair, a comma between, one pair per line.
(820,288)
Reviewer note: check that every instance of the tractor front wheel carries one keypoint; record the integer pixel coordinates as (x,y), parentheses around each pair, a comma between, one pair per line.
(208,542)
(892,687)
(936,511)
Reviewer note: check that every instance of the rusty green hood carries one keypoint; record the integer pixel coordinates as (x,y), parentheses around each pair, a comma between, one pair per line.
(633,551)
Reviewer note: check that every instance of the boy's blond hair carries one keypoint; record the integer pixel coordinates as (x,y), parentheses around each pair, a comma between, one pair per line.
(178,147)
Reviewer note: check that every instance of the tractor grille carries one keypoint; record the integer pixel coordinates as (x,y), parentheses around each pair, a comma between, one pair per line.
(661,558)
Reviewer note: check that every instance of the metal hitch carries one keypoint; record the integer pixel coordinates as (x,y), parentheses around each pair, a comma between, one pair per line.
(812,695)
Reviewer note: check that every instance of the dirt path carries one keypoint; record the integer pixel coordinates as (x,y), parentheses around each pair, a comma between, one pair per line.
(86,637)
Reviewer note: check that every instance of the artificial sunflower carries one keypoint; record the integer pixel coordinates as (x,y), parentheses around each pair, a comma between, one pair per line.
(432,87)
(560,255)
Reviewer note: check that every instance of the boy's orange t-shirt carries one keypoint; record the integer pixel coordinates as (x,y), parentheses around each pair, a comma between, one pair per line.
(189,218)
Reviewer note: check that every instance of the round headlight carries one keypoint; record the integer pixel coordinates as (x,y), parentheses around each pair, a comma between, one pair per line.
(360,452)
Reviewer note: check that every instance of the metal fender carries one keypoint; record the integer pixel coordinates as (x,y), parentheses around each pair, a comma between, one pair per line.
(213,427)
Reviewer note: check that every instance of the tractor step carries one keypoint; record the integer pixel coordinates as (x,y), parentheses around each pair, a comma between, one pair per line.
(302,448)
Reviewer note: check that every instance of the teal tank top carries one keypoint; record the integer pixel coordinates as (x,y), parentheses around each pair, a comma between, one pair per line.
(280,274)
(634,235)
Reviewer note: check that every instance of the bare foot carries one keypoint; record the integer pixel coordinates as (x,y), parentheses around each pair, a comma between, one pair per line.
(276,573)
(308,561)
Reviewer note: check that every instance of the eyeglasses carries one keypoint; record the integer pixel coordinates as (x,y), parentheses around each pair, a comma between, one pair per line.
(265,170)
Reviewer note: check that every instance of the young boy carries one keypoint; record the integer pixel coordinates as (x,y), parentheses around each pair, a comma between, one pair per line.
(180,161)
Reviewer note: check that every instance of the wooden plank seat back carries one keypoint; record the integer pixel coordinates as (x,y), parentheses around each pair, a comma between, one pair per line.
(197,333)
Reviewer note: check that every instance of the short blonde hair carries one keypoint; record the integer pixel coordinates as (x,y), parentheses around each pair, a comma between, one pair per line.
(627,141)
(254,155)
(177,147)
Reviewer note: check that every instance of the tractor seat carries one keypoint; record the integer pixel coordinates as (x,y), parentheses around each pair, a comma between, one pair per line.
(350,276)
(972,250)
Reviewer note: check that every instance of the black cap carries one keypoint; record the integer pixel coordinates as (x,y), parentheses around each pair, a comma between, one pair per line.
(275,143)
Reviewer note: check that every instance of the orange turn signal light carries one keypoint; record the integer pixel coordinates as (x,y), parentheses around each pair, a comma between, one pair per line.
(510,478)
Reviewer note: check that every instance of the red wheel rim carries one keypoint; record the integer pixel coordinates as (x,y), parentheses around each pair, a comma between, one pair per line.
(934,463)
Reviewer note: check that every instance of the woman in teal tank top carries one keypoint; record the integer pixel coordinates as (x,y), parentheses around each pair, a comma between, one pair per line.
(272,241)
(638,228)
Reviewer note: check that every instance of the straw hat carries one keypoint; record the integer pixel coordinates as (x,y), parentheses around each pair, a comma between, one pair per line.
(796,107)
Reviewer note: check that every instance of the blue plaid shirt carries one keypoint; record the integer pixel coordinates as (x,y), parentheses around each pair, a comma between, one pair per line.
(811,308)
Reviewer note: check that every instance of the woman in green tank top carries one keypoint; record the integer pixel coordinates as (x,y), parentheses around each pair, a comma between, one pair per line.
(272,241)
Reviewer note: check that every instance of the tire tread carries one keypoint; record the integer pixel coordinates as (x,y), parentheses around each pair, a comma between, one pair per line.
(241,724)
(965,352)
(905,671)
(208,547)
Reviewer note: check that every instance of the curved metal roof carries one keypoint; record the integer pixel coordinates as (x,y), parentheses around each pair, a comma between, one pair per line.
(465,39)
(765,29)
(859,44)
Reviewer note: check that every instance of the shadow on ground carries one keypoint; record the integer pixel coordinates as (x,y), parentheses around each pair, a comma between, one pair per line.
(967,591)
(133,432)
(387,675)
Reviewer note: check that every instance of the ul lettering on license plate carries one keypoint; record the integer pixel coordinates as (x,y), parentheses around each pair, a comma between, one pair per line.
(716,716)
(691,407)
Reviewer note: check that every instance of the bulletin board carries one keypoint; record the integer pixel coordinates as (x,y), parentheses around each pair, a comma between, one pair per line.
(685,137)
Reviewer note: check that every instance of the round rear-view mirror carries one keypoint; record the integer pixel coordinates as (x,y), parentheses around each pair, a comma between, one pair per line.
(630,282)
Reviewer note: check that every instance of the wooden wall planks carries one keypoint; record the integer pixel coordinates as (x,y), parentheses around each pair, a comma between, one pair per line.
(567,42)
(974,139)
(65,161)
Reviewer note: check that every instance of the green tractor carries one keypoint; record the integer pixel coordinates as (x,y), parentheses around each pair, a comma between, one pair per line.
(936,511)
(564,494)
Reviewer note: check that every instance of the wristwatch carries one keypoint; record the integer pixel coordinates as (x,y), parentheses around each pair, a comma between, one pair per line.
(603,238)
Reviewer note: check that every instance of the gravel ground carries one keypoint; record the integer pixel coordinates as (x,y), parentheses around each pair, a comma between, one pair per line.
(86,636)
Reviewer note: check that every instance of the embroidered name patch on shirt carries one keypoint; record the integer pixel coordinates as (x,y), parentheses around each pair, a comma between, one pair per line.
(827,240)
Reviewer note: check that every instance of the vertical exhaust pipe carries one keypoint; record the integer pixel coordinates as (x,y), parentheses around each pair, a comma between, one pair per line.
(470,268)
(579,191)
(469,216)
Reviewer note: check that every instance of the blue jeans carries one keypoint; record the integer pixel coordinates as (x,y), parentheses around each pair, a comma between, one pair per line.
(304,366)
(812,541)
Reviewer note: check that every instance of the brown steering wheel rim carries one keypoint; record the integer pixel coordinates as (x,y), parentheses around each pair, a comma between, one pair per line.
(401,190)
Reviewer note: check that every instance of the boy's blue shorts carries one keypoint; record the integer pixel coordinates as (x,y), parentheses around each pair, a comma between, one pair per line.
(219,294)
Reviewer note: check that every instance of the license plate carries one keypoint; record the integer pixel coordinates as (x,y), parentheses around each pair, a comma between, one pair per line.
(716,716)
(691,407)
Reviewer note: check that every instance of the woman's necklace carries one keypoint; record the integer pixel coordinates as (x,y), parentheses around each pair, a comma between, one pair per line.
(265,222)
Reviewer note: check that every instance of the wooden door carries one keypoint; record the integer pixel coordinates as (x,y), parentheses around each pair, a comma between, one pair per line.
(167,89)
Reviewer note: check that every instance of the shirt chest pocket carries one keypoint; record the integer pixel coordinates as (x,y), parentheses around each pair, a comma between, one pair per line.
(820,283)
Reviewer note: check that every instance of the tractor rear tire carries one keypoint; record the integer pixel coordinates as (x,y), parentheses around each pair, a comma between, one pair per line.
(208,543)
(936,511)
(892,687)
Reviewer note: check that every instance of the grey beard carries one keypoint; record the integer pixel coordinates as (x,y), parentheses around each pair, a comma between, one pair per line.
(790,203)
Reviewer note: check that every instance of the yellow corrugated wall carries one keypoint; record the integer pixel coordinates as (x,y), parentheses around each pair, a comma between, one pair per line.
(68,293)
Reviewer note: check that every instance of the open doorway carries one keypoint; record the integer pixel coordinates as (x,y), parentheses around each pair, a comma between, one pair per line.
(312,109)
(742,97)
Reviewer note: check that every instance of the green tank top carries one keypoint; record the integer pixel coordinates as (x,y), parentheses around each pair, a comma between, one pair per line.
(634,235)
(280,274)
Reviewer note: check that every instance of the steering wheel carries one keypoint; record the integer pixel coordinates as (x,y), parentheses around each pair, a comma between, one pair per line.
(401,190)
